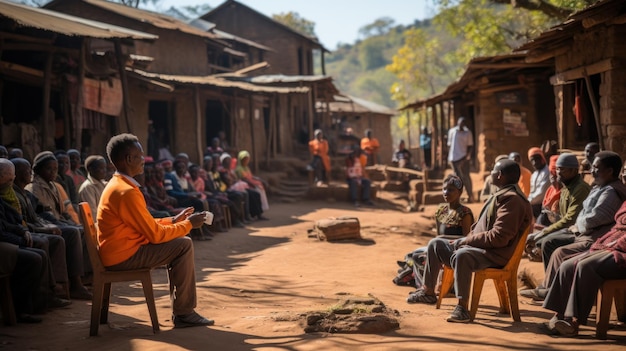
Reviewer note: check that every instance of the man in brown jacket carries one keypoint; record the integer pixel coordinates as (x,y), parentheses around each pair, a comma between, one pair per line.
(490,243)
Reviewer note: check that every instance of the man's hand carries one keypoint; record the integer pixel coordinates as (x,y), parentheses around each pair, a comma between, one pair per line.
(28,238)
(182,215)
(197,219)
(573,229)
(456,244)
(52,230)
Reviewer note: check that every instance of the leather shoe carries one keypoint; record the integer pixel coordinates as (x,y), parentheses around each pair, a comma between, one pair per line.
(81,294)
(192,319)
(56,302)
(537,294)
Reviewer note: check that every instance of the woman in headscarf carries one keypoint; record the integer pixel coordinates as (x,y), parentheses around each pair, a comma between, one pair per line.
(255,183)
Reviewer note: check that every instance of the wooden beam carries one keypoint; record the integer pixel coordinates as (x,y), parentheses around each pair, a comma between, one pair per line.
(494,89)
(508,65)
(45,106)
(121,65)
(596,109)
(538,55)
(38,47)
(198,109)
(578,73)
(26,38)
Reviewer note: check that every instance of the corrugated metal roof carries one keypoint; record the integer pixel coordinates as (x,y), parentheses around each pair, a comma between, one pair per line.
(218,82)
(349,103)
(153,18)
(56,22)
(281,78)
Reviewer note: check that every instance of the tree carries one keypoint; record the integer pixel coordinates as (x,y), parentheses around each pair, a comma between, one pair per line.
(294,21)
(379,27)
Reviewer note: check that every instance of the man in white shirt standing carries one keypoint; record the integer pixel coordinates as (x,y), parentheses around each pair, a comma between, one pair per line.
(461,145)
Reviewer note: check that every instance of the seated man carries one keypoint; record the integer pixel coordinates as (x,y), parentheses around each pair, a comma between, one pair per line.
(73,268)
(355,176)
(595,219)
(539,180)
(591,149)
(318,147)
(25,268)
(575,286)
(526,174)
(130,238)
(491,242)
(92,187)
(573,193)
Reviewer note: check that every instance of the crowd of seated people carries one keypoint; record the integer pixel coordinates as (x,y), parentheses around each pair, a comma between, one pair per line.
(41,237)
(578,231)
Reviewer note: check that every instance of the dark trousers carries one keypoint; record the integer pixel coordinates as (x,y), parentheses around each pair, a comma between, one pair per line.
(27,279)
(462,170)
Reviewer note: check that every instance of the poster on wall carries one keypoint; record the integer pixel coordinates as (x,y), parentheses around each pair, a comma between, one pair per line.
(514,123)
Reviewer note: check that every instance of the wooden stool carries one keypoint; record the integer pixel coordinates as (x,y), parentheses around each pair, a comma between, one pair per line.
(227,221)
(6,301)
(611,290)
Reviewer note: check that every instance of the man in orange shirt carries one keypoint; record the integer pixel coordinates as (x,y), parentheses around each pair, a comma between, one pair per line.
(370,146)
(130,238)
(525,175)
(321,162)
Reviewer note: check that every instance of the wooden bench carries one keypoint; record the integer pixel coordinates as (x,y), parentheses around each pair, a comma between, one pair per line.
(417,187)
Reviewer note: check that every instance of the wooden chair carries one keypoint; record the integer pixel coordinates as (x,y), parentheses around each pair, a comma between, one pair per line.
(6,300)
(227,221)
(611,290)
(102,278)
(504,279)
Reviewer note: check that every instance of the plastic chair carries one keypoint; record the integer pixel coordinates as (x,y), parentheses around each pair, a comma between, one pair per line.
(102,278)
(8,312)
(504,279)
(611,290)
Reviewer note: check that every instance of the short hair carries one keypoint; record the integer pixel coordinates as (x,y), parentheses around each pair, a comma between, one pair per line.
(510,170)
(611,160)
(454,180)
(119,145)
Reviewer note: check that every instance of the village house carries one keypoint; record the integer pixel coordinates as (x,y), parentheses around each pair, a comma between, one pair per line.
(589,79)
(199,104)
(293,52)
(61,79)
(507,102)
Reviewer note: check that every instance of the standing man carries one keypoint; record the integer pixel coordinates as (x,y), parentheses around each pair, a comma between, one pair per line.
(490,243)
(130,238)
(370,146)
(318,147)
(461,146)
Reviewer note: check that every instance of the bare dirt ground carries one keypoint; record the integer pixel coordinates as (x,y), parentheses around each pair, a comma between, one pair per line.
(256,281)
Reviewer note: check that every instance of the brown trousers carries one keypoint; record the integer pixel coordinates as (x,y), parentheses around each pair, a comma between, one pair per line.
(177,255)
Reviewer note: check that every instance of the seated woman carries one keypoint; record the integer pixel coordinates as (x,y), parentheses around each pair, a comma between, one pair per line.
(453,221)
(253,207)
(255,184)
(574,289)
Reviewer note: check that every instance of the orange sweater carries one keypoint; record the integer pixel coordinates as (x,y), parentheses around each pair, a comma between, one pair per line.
(320,148)
(124,223)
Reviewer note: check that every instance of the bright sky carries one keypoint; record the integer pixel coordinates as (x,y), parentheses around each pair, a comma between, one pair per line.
(336,21)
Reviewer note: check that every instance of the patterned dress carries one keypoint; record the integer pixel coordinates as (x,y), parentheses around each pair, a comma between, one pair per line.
(449,221)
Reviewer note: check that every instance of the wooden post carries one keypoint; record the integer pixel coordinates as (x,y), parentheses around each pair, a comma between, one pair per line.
(121,65)
(596,108)
(310,113)
(253,154)
(45,105)
(196,98)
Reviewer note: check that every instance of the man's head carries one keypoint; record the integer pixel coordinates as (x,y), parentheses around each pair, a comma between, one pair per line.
(566,168)
(4,153)
(606,167)
(74,156)
(16,153)
(318,134)
(536,158)
(368,133)
(125,152)
(63,160)
(505,172)
(23,172)
(225,160)
(7,173)
(461,122)
(515,156)
(46,166)
(96,166)
(591,149)
(180,166)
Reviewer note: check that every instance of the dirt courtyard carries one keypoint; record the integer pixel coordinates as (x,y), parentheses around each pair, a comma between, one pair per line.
(255,282)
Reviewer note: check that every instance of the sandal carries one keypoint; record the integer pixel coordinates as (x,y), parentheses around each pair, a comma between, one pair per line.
(420,296)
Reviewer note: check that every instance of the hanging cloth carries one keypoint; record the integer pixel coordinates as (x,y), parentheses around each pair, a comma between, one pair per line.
(578,103)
